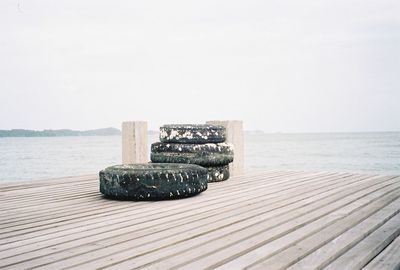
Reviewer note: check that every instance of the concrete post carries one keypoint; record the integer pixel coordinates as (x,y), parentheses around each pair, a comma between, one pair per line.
(134,142)
(235,136)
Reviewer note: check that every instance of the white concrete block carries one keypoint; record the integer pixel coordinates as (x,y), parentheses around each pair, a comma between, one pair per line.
(134,142)
(235,136)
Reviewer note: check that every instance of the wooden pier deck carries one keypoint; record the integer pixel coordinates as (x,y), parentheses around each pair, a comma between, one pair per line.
(266,220)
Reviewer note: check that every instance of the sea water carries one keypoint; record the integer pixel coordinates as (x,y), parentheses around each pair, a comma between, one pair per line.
(31,158)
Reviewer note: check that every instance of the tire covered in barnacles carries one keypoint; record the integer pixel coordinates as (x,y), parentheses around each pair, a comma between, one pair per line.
(152,181)
(220,148)
(217,174)
(205,159)
(192,134)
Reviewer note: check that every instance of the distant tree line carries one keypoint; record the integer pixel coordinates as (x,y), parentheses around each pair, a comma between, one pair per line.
(58,132)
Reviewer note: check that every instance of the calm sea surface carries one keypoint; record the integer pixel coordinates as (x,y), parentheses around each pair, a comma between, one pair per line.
(46,157)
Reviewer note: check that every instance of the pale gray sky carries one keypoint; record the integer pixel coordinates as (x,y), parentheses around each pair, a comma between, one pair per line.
(289,66)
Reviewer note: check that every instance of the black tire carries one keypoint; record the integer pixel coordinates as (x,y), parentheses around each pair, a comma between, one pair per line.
(192,134)
(152,181)
(221,148)
(205,159)
(217,174)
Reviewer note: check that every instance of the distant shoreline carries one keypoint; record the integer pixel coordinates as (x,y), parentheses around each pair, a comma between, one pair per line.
(59,132)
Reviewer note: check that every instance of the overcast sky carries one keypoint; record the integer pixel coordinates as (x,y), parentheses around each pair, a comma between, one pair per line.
(280,66)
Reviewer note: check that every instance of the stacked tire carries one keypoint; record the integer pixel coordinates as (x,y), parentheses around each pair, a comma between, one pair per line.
(202,145)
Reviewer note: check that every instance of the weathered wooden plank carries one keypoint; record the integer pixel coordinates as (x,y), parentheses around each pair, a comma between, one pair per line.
(120,243)
(368,248)
(196,240)
(31,199)
(67,204)
(163,203)
(244,249)
(94,188)
(81,206)
(49,195)
(388,259)
(338,236)
(66,212)
(204,238)
(172,216)
(49,200)
(19,243)
(177,204)
(28,185)
(37,192)
(280,213)
(327,253)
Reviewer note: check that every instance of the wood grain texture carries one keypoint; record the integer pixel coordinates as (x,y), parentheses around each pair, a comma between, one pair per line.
(259,220)
(388,259)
